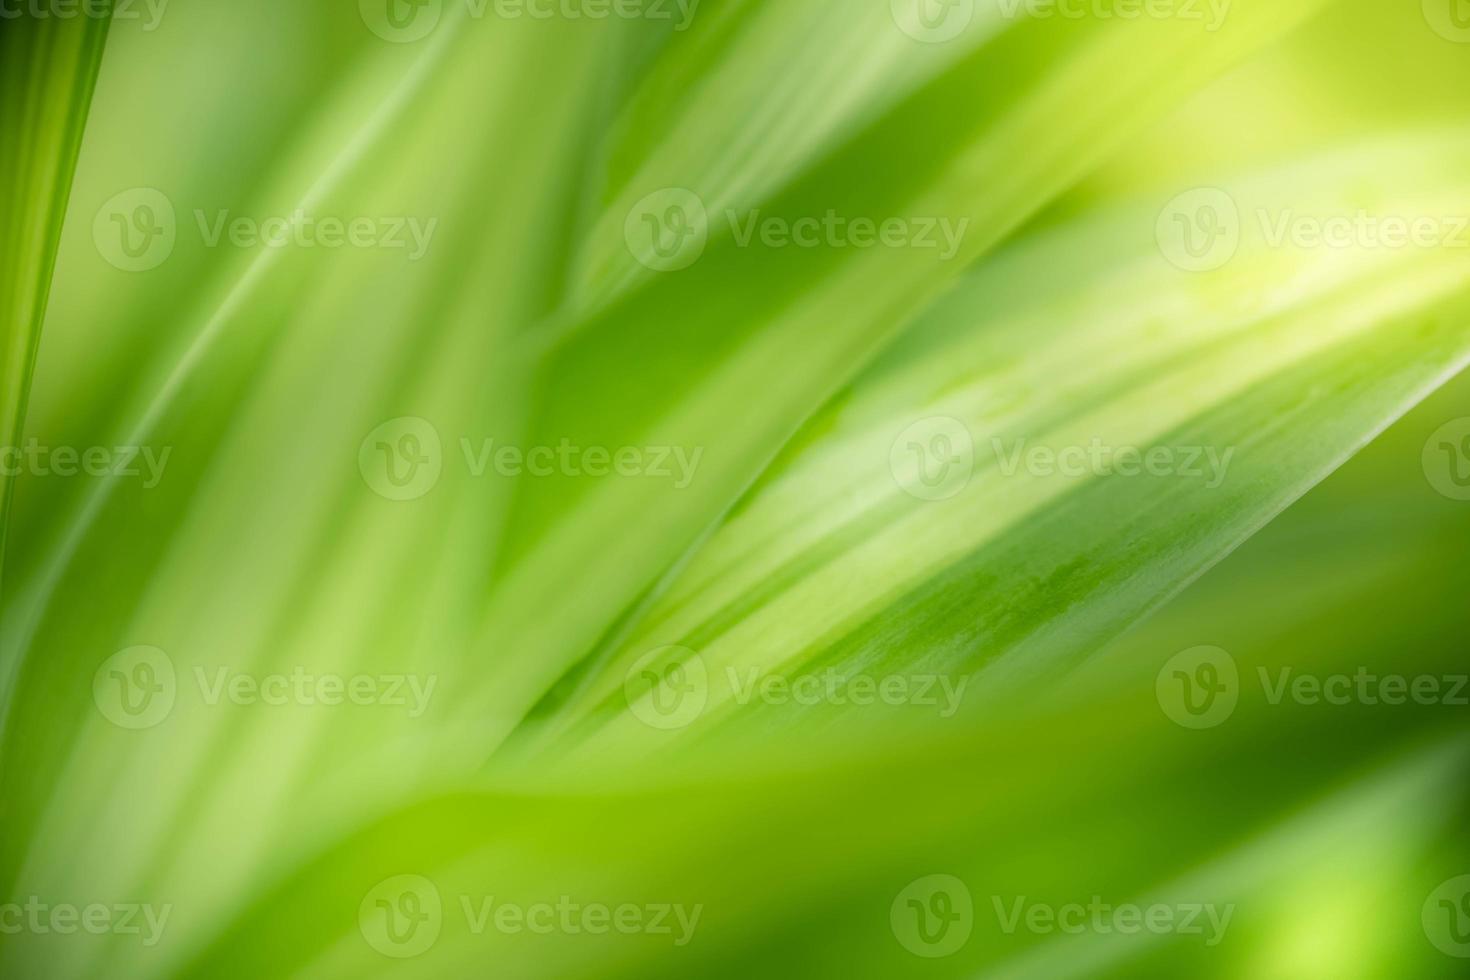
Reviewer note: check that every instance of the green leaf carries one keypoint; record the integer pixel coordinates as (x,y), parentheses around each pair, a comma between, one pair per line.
(47,70)
(1253,381)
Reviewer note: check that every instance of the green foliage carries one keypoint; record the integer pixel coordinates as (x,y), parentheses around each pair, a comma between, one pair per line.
(803,471)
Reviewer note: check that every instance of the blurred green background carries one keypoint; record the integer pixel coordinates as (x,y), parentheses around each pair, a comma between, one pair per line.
(547,619)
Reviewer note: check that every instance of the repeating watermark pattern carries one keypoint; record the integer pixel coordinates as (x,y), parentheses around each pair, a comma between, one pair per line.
(835,231)
(1204,919)
(935,459)
(933,916)
(144,920)
(933,21)
(1363,229)
(1201,230)
(669,688)
(135,688)
(1208,464)
(676,464)
(147,13)
(406,21)
(299,229)
(940,21)
(941,692)
(568,917)
(411,692)
(138,688)
(1446,917)
(137,230)
(119,462)
(1363,686)
(1447,459)
(1450,19)
(403,459)
(669,230)
(1209,14)
(1201,687)
(403,917)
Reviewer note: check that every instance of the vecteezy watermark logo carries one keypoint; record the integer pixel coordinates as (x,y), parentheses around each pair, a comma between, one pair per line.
(402,458)
(1450,19)
(1102,918)
(1199,230)
(1199,688)
(1210,13)
(933,459)
(670,687)
(120,11)
(407,233)
(401,21)
(135,230)
(933,916)
(36,459)
(1097,458)
(1446,917)
(941,692)
(401,916)
(411,692)
(674,463)
(139,687)
(1447,459)
(135,688)
(138,229)
(667,688)
(65,919)
(568,917)
(1364,687)
(667,230)
(933,21)
(680,12)
(836,231)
